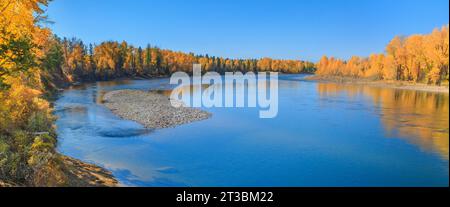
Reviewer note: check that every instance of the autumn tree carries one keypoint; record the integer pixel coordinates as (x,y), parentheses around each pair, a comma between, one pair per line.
(416,58)
(27,51)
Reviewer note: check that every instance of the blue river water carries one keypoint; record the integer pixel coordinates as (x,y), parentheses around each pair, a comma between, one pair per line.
(325,134)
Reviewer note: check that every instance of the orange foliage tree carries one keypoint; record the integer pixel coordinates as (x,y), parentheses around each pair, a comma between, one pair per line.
(417,58)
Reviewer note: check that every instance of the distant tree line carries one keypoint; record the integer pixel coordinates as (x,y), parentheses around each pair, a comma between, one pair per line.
(110,60)
(417,58)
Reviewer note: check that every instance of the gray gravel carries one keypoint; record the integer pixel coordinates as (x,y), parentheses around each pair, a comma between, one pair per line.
(151,109)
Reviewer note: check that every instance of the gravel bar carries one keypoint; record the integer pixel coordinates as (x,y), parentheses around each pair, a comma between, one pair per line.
(151,109)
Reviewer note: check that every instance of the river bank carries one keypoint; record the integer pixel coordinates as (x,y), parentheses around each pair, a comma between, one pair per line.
(151,109)
(78,174)
(82,174)
(404,85)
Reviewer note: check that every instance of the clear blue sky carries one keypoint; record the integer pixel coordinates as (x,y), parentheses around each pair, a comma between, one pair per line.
(296,29)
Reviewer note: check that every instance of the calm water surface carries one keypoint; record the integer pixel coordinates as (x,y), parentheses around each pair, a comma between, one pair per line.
(324,135)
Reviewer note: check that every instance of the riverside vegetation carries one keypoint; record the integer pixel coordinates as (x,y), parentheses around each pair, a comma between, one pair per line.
(415,59)
(35,65)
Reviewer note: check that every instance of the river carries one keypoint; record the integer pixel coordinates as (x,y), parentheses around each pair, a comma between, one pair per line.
(325,134)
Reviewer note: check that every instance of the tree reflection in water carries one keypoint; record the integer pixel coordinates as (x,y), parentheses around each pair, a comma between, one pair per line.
(421,118)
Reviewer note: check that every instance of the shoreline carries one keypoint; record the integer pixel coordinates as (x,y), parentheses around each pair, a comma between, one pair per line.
(83,174)
(151,109)
(78,174)
(403,85)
